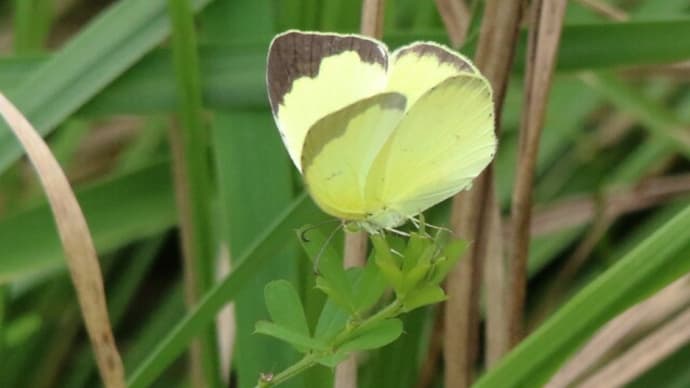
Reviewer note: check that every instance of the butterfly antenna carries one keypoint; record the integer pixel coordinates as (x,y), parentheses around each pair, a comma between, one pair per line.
(323,248)
(303,233)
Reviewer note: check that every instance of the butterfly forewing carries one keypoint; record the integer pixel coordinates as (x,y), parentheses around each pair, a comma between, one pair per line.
(310,75)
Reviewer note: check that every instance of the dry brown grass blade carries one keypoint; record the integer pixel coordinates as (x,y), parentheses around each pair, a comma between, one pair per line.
(679,71)
(605,9)
(604,211)
(372,18)
(461,323)
(346,373)
(577,211)
(226,324)
(647,314)
(643,355)
(495,281)
(456,19)
(543,43)
(497,41)
(356,243)
(82,259)
(679,133)
(472,210)
(354,256)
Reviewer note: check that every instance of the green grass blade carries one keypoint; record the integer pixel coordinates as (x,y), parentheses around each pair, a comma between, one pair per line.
(119,210)
(233,72)
(618,44)
(255,186)
(655,262)
(256,257)
(100,53)
(32,22)
(254,174)
(190,142)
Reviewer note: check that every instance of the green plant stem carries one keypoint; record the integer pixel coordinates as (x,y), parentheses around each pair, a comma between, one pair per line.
(309,360)
(191,158)
(390,311)
(4,301)
(300,366)
(32,20)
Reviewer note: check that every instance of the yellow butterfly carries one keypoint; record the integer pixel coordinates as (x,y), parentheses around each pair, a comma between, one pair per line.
(379,137)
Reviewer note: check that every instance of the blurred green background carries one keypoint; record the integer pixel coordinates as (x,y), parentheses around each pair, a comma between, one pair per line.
(107,87)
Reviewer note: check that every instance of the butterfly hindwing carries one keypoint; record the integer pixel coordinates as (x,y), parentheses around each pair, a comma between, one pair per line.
(416,68)
(444,141)
(310,75)
(340,149)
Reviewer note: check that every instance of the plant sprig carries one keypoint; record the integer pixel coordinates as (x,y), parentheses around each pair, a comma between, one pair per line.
(358,314)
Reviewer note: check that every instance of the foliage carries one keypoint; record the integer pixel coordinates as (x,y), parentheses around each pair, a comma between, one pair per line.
(102,83)
(351,319)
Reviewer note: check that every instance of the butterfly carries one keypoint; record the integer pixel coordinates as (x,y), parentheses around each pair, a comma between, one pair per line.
(379,137)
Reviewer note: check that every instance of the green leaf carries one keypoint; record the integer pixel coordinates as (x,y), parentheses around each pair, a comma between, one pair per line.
(455,247)
(300,341)
(333,294)
(416,246)
(366,284)
(285,307)
(414,277)
(452,253)
(657,261)
(331,269)
(332,320)
(423,296)
(375,336)
(386,263)
(368,287)
(334,281)
(314,243)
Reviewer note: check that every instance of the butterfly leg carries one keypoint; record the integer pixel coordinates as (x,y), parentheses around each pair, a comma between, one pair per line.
(398,232)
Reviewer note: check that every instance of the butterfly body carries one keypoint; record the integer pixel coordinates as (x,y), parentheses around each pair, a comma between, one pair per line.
(379,137)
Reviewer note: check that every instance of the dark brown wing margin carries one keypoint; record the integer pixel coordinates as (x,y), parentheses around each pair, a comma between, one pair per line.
(442,54)
(296,54)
